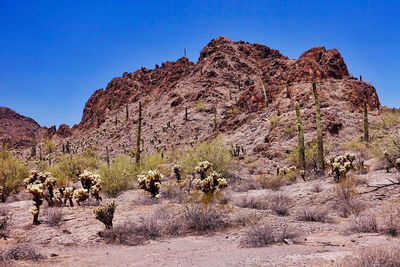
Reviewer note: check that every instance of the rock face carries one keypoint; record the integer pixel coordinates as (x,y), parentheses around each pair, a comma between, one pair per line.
(17,131)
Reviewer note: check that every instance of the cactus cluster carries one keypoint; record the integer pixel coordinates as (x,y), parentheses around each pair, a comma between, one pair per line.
(42,186)
(285,170)
(214,182)
(201,168)
(91,182)
(235,150)
(151,182)
(105,213)
(340,165)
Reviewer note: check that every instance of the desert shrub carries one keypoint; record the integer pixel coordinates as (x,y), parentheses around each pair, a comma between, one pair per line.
(202,218)
(252,202)
(272,182)
(214,152)
(377,256)
(12,173)
(316,188)
(363,223)
(105,213)
(21,252)
(390,217)
(346,202)
(244,186)
(119,176)
(144,198)
(69,166)
(151,162)
(5,222)
(313,214)
(280,204)
(340,165)
(54,216)
(310,151)
(150,182)
(266,234)
(274,119)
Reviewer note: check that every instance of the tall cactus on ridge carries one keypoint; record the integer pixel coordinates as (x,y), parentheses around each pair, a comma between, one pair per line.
(366,124)
(302,158)
(139,128)
(320,144)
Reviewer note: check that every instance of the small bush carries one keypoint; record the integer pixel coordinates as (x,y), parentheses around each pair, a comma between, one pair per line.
(390,216)
(252,202)
(271,182)
(105,213)
(266,234)
(316,188)
(5,222)
(280,204)
(313,214)
(378,256)
(363,223)
(54,216)
(145,199)
(12,173)
(346,201)
(202,218)
(20,253)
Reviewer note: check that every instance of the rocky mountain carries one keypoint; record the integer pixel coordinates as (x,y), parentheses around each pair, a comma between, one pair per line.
(245,92)
(17,131)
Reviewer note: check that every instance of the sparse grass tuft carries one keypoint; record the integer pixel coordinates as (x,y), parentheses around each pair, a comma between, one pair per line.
(22,252)
(266,234)
(54,216)
(280,204)
(363,223)
(252,202)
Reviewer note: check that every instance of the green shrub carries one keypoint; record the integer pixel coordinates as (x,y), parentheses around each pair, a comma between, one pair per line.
(67,165)
(119,176)
(214,152)
(12,173)
(311,150)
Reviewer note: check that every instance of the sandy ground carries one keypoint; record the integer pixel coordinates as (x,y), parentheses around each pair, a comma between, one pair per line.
(76,241)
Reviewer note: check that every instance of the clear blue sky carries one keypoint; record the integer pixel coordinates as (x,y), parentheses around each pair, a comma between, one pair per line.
(54,54)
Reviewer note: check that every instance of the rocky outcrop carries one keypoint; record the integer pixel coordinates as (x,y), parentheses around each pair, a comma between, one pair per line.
(17,131)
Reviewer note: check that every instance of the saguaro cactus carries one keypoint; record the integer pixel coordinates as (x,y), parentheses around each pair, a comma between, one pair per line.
(302,161)
(107,157)
(265,93)
(320,144)
(127,112)
(139,128)
(366,124)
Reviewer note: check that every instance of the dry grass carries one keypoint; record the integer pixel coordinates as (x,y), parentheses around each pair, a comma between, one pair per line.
(313,214)
(280,204)
(316,188)
(54,216)
(266,234)
(363,223)
(252,202)
(145,199)
(386,256)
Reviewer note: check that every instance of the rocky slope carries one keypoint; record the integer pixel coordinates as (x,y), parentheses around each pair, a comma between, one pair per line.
(17,131)
(225,86)
(223,94)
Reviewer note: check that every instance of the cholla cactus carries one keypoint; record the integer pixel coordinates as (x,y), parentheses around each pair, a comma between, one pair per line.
(1,190)
(212,183)
(177,171)
(150,182)
(81,195)
(340,165)
(105,213)
(36,184)
(285,170)
(91,182)
(66,194)
(202,168)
